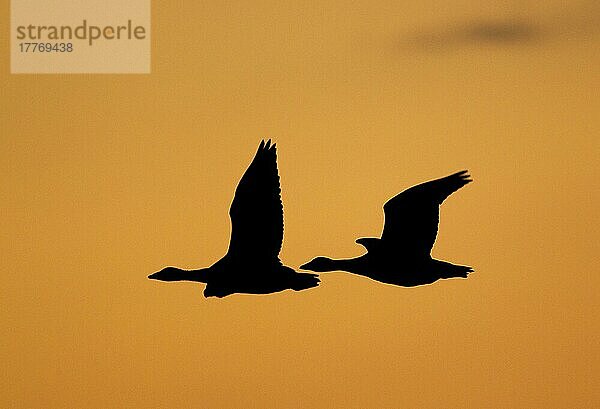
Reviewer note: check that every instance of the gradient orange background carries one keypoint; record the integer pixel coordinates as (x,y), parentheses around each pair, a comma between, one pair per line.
(107,178)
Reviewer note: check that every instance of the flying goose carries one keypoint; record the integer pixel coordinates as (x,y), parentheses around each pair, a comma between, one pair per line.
(402,256)
(252,263)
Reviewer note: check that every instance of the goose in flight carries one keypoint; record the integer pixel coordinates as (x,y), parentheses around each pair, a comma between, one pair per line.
(402,256)
(252,263)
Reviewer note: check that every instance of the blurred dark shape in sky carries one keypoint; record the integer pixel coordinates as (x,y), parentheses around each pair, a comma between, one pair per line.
(478,33)
(500,32)
(582,22)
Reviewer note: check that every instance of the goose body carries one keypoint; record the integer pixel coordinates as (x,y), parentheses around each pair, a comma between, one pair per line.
(251,264)
(402,255)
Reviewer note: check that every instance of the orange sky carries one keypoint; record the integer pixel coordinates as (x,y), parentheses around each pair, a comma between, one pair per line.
(107,178)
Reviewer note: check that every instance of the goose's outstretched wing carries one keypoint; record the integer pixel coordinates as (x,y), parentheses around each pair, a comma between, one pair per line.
(256,211)
(412,217)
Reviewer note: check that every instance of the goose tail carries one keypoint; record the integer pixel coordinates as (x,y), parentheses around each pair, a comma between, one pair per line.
(303,281)
(449,270)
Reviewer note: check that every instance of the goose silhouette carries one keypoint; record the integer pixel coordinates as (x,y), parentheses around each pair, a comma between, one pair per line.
(402,256)
(252,263)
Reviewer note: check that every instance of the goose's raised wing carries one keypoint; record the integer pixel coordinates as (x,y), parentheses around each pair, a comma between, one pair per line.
(256,211)
(412,217)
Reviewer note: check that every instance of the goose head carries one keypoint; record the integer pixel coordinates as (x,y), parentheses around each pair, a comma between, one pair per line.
(320,264)
(168,274)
